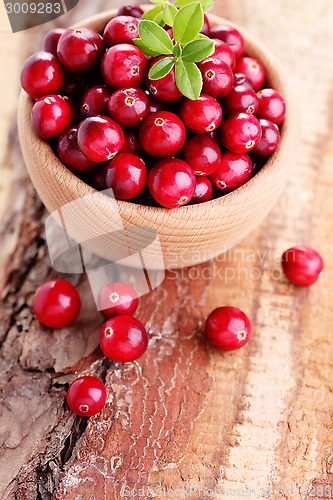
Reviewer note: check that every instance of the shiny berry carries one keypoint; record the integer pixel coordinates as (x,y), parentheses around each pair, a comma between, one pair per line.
(228,328)
(74,86)
(164,89)
(203,190)
(302,265)
(201,115)
(86,396)
(94,101)
(269,141)
(121,29)
(253,69)
(202,154)
(50,116)
(70,153)
(241,99)
(234,170)
(130,10)
(231,36)
(123,338)
(241,79)
(51,39)
(80,50)
(171,182)
(240,132)
(41,75)
(224,52)
(217,77)
(100,138)
(96,177)
(155,104)
(56,303)
(128,106)
(124,64)
(205,30)
(132,142)
(162,134)
(125,176)
(117,298)
(271,106)
(74,109)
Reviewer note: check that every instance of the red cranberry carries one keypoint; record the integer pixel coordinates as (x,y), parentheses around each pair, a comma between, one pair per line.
(41,75)
(96,177)
(203,190)
(94,102)
(257,163)
(164,89)
(51,39)
(70,154)
(205,30)
(123,65)
(241,79)
(201,115)
(154,104)
(241,99)
(224,52)
(86,396)
(121,29)
(50,116)
(79,50)
(271,106)
(171,182)
(130,10)
(217,77)
(126,176)
(117,298)
(253,69)
(74,86)
(302,265)
(231,36)
(202,154)
(234,170)
(123,338)
(215,136)
(228,328)
(128,106)
(100,138)
(74,109)
(269,141)
(132,142)
(162,134)
(240,132)
(56,303)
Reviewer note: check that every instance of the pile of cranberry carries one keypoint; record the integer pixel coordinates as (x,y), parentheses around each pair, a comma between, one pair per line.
(142,139)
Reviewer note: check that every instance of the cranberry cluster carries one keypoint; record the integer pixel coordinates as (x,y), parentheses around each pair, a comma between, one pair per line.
(117,129)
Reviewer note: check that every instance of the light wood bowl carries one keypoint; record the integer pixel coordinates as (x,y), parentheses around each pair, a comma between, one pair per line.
(187,235)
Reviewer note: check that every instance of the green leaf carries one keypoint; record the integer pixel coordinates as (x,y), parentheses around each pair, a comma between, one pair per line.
(155,37)
(161,68)
(169,14)
(182,3)
(158,2)
(188,79)
(206,5)
(188,23)
(201,36)
(146,50)
(177,50)
(197,50)
(155,14)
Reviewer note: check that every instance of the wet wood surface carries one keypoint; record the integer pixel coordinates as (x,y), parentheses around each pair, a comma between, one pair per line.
(184,420)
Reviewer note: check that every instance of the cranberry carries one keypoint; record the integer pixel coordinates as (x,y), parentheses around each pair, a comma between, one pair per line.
(253,69)
(228,328)
(56,303)
(51,39)
(241,99)
(80,50)
(215,136)
(241,79)
(231,36)
(154,104)
(164,89)
(123,338)
(94,102)
(41,75)
(203,190)
(74,86)
(205,30)
(132,142)
(202,154)
(50,116)
(74,109)
(234,170)
(70,153)
(162,134)
(126,176)
(224,52)
(201,115)
(100,138)
(240,132)
(257,163)
(128,106)
(130,10)
(121,29)
(269,141)
(271,106)
(171,182)
(302,265)
(86,396)
(97,177)
(217,77)
(117,298)
(124,64)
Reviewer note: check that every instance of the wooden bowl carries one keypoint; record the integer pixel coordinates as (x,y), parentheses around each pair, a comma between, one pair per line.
(186,235)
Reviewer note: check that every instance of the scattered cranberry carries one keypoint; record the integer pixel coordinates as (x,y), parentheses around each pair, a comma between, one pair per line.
(205,30)
(271,106)
(128,106)
(124,64)
(100,138)
(126,176)
(241,79)
(41,75)
(231,36)
(224,52)
(132,143)
(50,116)
(94,101)
(130,10)
(70,153)
(51,39)
(86,396)
(171,182)
(56,303)
(240,132)
(234,170)
(253,69)
(202,115)
(269,141)
(123,338)
(241,99)
(117,298)
(121,29)
(302,265)
(217,77)
(228,328)
(164,89)
(202,154)
(162,134)
(203,190)
(79,50)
